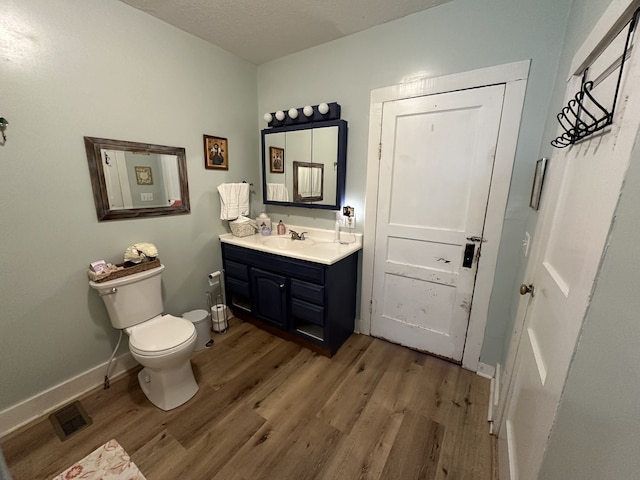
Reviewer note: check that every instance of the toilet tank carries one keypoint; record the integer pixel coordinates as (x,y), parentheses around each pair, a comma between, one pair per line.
(132,299)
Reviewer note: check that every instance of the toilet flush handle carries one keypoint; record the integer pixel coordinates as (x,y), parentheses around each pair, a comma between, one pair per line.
(110,292)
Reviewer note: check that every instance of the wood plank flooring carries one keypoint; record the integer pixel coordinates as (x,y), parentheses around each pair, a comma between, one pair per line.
(270,409)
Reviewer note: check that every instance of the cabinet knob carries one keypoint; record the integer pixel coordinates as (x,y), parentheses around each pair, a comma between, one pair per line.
(282,285)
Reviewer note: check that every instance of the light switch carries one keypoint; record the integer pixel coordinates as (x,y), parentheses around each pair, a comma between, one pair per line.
(525,243)
(146,197)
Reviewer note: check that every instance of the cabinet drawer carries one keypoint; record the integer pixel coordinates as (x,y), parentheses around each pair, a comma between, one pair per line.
(307,291)
(237,270)
(238,286)
(307,311)
(290,267)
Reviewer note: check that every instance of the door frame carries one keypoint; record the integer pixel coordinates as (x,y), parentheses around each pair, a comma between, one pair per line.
(514,76)
(601,34)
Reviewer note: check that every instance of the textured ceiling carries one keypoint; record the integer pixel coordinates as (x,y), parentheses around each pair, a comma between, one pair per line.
(260,31)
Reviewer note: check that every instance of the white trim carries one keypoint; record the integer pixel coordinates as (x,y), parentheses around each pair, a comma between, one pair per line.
(486,371)
(509,72)
(490,409)
(514,76)
(496,392)
(48,401)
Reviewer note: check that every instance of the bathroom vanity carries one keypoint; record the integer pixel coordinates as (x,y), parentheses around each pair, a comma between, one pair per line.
(303,291)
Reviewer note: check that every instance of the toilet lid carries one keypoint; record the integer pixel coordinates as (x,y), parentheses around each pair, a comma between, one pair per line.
(160,333)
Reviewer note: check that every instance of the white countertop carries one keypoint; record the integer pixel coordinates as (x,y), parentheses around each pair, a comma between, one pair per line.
(319,245)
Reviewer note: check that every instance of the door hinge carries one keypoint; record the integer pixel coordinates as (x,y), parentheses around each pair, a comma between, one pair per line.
(379,151)
(371,308)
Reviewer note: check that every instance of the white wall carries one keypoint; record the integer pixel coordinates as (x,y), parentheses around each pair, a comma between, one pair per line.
(101,68)
(458,36)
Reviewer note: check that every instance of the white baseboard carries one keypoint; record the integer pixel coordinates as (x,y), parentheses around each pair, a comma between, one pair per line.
(486,371)
(48,401)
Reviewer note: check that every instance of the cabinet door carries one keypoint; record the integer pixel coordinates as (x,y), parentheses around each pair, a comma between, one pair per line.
(269,297)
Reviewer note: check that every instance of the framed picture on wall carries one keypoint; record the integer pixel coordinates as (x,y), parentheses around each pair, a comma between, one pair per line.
(216,153)
(538,180)
(276,160)
(144,176)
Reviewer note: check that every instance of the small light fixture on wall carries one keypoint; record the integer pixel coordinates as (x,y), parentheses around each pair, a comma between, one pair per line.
(3,126)
(306,114)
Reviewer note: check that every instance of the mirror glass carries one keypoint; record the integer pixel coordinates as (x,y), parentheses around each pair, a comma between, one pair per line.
(308,182)
(132,180)
(305,165)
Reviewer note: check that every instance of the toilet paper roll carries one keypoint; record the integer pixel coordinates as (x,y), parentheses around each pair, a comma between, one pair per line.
(214,278)
(219,316)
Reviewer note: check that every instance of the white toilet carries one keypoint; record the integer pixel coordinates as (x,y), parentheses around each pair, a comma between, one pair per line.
(162,344)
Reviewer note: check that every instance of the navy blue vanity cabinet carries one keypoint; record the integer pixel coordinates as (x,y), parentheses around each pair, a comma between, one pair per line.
(269,300)
(310,303)
(237,286)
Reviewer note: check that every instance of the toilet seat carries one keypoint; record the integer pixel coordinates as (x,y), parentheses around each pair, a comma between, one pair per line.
(162,335)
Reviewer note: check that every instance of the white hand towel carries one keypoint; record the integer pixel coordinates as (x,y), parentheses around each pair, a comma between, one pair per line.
(277,192)
(243,198)
(234,200)
(228,203)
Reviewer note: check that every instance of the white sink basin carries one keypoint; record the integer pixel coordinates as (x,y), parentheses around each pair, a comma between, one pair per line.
(285,243)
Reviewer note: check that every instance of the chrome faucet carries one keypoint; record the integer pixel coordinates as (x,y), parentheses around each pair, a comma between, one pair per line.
(296,235)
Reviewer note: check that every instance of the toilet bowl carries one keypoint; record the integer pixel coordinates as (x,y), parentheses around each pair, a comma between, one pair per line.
(162,344)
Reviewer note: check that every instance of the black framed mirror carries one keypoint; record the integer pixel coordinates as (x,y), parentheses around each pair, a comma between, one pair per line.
(313,153)
(135,180)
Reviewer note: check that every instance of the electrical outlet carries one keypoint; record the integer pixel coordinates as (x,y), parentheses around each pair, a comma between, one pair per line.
(351,221)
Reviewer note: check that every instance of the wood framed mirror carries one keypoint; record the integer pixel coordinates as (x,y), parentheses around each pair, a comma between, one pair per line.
(136,180)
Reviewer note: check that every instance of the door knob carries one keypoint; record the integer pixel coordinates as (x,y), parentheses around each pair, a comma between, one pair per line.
(524,289)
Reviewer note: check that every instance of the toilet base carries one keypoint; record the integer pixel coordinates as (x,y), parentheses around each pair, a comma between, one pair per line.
(168,388)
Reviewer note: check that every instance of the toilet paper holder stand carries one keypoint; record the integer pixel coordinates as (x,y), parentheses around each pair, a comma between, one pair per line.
(219,306)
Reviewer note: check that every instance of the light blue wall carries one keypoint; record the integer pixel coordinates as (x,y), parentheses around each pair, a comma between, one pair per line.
(584,14)
(101,68)
(458,36)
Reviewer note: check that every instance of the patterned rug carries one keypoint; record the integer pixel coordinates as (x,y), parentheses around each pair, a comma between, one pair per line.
(109,462)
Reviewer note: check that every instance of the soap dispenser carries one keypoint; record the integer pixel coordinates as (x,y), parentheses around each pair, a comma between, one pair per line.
(281,228)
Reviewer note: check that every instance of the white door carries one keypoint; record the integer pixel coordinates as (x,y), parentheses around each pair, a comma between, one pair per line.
(436,164)
(114,166)
(584,185)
